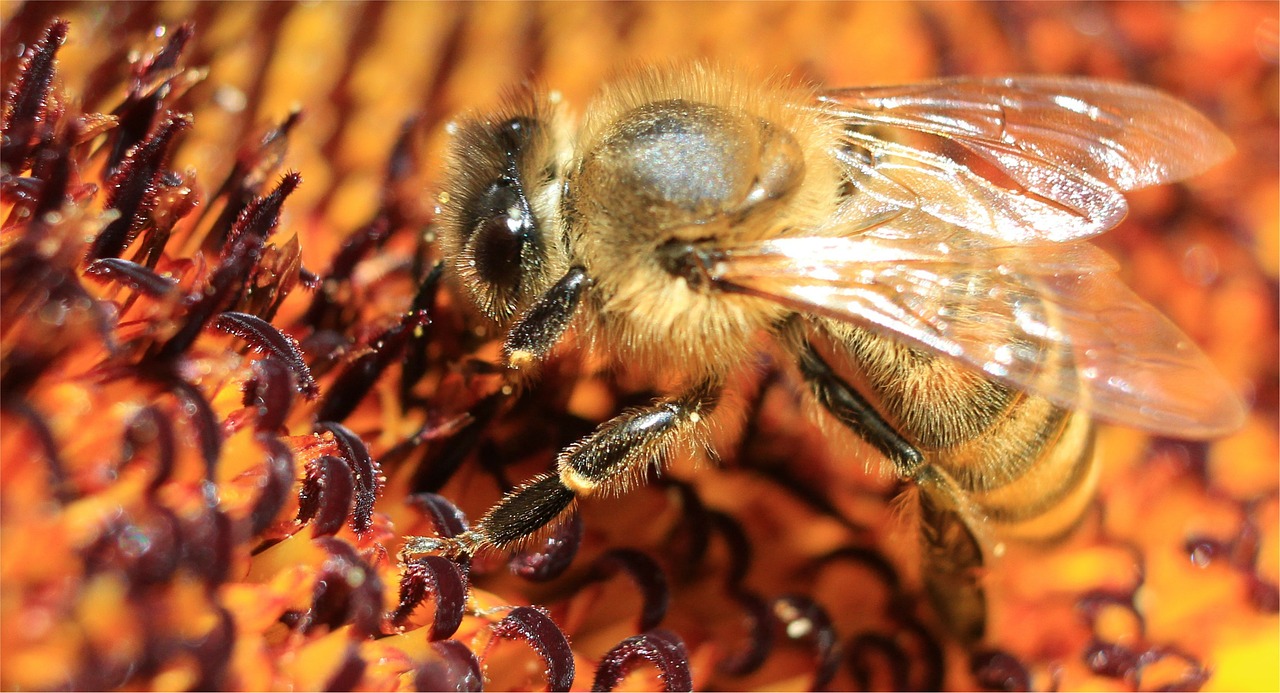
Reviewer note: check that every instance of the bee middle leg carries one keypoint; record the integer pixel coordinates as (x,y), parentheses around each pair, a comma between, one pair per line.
(610,461)
(854,411)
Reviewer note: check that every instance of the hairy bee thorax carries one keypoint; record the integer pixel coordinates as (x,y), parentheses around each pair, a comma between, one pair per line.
(669,158)
(669,153)
(685,164)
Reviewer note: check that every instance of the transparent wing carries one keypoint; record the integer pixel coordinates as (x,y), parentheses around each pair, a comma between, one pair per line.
(1052,319)
(1058,152)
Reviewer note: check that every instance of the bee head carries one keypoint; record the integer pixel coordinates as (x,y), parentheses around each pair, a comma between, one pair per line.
(499,207)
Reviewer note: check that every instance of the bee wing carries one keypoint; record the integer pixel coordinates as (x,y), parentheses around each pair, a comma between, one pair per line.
(1052,319)
(1067,148)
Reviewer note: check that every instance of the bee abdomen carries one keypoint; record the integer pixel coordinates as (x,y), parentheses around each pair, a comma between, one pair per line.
(1026,463)
(1036,491)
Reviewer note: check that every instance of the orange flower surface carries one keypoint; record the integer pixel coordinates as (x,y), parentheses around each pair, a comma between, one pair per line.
(234,383)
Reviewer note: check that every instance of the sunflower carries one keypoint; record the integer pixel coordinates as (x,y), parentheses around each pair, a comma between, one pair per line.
(233,381)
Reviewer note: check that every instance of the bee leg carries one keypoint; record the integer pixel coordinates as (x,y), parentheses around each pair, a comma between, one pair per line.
(607,462)
(952,555)
(951,559)
(542,326)
(854,411)
(615,456)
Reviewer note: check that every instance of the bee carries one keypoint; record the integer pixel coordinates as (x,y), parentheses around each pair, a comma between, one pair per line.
(921,252)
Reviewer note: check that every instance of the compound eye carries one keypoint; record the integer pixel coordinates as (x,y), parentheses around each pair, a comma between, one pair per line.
(499,239)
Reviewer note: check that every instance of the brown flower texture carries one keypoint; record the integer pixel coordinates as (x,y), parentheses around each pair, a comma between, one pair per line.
(233,380)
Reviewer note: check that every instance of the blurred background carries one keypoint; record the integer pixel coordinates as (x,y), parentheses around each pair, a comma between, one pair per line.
(1185,538)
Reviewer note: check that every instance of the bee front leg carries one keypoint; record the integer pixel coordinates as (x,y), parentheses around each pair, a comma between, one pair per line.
(542,326)
(610,461)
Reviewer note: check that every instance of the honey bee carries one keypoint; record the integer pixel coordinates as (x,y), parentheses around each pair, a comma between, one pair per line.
(920,251)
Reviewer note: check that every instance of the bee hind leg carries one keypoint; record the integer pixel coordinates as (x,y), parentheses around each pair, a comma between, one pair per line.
(951,560)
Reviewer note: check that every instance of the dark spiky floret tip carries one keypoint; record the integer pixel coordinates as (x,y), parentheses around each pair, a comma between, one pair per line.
(28,99)
(57,31)
(289,182)
(38,60)
(55,35)
(168,56)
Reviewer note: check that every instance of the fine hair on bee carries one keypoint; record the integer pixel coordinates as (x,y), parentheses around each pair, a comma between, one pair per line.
(959,323)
